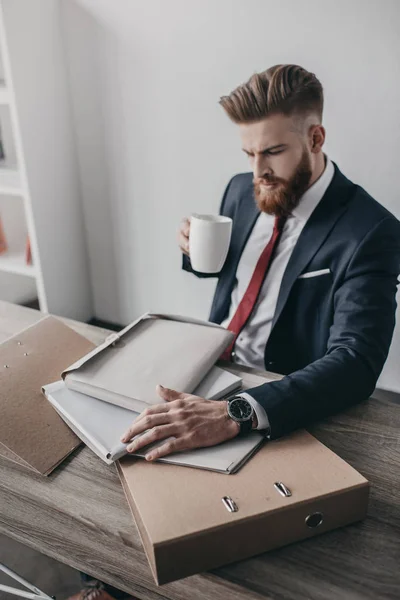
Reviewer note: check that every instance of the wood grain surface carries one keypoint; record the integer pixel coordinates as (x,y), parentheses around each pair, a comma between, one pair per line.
(79,516)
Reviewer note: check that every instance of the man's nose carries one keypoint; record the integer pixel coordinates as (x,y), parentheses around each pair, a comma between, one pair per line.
(261,167)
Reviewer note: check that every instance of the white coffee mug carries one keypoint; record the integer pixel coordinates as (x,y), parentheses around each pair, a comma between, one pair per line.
(209,240)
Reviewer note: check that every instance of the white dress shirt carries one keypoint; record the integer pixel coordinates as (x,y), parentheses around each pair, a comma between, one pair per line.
(251,342)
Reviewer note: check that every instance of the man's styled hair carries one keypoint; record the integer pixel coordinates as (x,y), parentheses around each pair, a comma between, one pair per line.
(287,89)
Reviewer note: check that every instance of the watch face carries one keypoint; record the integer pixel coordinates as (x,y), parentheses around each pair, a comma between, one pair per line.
(240,409)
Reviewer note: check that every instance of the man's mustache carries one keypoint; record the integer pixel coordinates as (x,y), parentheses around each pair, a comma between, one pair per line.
(264,180)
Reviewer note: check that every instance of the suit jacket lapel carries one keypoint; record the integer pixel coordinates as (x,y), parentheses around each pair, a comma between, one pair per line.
(315,231)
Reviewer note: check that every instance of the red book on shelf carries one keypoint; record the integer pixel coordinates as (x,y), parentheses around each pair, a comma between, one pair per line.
(3,241)
(28,251)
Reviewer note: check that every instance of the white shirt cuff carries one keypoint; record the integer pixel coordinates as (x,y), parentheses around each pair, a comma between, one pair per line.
(262,418)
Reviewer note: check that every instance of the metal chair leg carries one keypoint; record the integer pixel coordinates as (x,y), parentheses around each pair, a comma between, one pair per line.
(34,594)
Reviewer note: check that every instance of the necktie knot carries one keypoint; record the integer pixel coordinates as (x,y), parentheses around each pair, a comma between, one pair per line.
(279,223)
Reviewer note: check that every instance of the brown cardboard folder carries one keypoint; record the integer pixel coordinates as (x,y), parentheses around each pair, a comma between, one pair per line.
(31,432)
(186,527)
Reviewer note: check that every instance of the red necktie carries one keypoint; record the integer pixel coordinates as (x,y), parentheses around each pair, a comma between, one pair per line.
(249,299)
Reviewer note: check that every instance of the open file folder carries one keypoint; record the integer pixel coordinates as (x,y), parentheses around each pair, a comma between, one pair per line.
(100,425)
(176,352)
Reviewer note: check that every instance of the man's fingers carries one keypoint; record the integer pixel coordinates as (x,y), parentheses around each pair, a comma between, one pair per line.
(170,395)
(158,414)
(153,410)
(185,227)
(146,421)
(178,444)
(183,236)
(154,435)
(184,243)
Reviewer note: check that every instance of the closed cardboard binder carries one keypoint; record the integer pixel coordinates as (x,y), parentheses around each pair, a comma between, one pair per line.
(170,350)
(191,521)
(31,432)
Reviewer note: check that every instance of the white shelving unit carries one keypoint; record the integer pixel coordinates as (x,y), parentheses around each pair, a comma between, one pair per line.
(10,182)
(14,262)
(39,179)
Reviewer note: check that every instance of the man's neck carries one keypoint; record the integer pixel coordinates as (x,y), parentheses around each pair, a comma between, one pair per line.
(319,168)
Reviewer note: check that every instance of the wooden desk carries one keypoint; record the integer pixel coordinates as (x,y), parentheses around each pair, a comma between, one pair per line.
(79,516)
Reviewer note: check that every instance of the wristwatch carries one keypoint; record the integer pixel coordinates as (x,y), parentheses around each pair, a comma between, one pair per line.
(241,411)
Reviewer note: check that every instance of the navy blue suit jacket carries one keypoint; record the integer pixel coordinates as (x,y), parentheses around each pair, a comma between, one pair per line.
(331,334)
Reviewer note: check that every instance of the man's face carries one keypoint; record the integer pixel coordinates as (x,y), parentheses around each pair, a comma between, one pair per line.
(280,160)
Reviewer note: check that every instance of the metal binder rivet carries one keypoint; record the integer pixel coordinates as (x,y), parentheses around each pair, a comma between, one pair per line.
(282,489)
(113,337)
(230,504)
(19,343)
(115,340)
(6,367)
(25,354)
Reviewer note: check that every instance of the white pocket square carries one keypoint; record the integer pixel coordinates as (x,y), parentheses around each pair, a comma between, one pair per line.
(314,273)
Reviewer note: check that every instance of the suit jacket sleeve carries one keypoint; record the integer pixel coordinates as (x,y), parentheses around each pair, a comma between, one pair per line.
(186,264)
(358,344)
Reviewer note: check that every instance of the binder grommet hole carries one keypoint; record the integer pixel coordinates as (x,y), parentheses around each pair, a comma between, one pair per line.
(25,354)
(314,520)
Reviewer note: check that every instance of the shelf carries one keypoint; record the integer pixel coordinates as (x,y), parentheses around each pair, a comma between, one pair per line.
(10,182)
(14,262)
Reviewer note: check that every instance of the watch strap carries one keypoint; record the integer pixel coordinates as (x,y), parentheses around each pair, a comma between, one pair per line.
(245,427)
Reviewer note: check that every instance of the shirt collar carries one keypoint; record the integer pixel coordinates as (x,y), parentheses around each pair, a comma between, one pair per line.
(314,194)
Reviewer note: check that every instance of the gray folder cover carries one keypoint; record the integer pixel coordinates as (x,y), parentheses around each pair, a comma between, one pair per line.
(173,351)
(100,425)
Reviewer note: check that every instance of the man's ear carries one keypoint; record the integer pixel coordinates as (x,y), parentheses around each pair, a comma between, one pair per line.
(317,134)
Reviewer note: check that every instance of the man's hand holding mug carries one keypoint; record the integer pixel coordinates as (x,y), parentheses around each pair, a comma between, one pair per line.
(205,239)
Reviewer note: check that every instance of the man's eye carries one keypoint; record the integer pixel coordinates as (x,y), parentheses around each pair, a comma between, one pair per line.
(266,153)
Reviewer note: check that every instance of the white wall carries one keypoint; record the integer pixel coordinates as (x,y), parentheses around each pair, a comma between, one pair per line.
(155,145)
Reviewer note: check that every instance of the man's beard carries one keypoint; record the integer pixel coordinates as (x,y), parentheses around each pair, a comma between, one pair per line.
(282,199)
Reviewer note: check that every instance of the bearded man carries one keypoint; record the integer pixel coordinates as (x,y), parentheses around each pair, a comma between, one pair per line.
(308,286)
(309,283)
